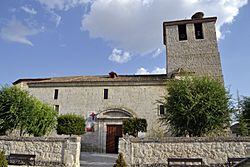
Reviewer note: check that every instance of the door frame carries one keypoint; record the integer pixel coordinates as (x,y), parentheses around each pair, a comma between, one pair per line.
(113,136)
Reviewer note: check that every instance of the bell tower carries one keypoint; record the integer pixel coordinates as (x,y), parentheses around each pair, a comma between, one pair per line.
(191,45)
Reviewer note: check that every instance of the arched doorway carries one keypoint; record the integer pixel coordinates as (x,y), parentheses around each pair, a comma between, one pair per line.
(111,121)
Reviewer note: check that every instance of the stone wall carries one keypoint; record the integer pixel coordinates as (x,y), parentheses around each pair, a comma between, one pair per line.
(48,151)
(139,152)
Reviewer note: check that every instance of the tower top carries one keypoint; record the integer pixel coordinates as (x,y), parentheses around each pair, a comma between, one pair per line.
(196,18)
(191,45)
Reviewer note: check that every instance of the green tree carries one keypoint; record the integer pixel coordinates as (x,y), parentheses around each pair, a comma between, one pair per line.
(19,110)
(42,120)
(134,125)
(244,116)
(196,106)
(15,106)
(120,162)
(71,124)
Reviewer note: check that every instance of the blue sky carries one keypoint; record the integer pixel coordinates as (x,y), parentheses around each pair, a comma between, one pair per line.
(49,38)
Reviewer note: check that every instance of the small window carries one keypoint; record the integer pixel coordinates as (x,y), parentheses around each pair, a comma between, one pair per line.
(56,94)
(162,110)
(198,31)
(105,93)
(56,108)
(182,32)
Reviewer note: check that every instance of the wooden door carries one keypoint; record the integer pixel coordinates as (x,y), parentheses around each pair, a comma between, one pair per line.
(112,139)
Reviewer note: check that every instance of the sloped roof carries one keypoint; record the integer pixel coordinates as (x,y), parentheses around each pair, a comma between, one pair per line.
(101,78)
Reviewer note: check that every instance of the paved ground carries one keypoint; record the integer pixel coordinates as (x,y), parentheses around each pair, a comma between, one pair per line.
(97,159)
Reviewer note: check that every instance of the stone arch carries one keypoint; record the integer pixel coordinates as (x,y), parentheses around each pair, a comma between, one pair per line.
(115,113)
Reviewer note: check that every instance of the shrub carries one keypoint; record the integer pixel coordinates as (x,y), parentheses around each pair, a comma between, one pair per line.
(3,161)
(120,162)
(134,125)
(70,124)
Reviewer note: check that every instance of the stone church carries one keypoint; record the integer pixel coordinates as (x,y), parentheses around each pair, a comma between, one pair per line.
(105,101)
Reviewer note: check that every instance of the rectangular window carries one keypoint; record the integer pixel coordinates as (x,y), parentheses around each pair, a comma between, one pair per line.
(182,32)
(105,93)
(56,108)
(56,94)
(198,31)
(162,110)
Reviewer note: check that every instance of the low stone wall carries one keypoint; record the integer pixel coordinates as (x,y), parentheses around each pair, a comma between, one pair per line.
(143,152)
(48,151)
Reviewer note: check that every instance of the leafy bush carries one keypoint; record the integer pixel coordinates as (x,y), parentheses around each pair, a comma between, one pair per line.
(20,110)
(3,161)
(120,162)
(134,125)
(70,124)
(196,106)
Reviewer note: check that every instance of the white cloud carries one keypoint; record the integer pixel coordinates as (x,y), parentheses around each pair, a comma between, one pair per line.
(62,4)
(136,25)
(157,70)
(16,31)
(119,56)
(58,20)
(142,71)
(29,10)
(157,52)
(55,18)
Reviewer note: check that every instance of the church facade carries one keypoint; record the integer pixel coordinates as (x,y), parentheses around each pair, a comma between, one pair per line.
(105,101)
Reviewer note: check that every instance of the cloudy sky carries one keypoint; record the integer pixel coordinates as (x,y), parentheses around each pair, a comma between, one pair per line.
(47,38)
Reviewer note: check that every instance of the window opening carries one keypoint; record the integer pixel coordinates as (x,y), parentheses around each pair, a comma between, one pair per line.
(56,94)
(182,32)
(56,108)
(162,110)
(198,31)
(105,93)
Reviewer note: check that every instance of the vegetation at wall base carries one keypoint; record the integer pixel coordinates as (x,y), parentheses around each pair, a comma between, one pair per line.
(19,110)
(120,162)
(71,124)
(244,116)
(196,106)
(3,161)
(132,126)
